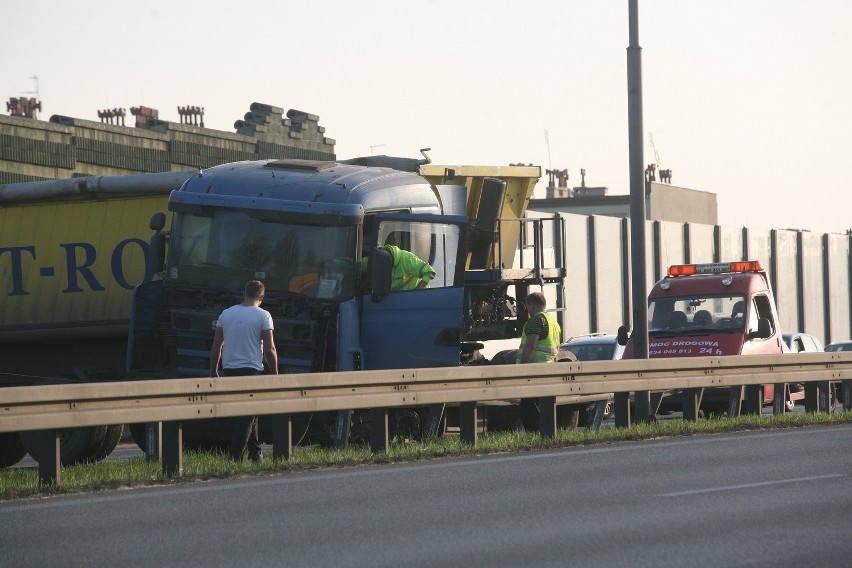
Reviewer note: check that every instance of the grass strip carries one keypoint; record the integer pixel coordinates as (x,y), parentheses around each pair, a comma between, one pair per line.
(19,483)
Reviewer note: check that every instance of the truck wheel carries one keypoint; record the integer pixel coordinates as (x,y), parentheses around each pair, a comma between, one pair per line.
(406,424)
(75,444)
(110,440)
(12,450)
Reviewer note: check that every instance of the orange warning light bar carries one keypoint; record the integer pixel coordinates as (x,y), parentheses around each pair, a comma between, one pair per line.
(714,268)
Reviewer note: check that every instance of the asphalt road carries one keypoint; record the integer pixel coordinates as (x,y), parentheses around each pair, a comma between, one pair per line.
(779,498)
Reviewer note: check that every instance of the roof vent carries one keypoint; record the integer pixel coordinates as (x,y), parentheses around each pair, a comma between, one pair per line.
(312,165)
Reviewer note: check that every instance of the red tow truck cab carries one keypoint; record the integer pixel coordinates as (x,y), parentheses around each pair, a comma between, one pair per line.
(717,309)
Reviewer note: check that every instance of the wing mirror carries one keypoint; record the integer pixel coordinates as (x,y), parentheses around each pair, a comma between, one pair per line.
(764,330)
(379,273)
(623,335)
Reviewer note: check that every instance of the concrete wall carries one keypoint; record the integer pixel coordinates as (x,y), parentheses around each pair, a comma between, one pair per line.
(671,203)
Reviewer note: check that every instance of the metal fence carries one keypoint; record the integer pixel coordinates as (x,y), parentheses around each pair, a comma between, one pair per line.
(809,272)
(48,409)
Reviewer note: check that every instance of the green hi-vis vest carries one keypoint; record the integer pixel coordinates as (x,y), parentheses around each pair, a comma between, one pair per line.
(545,350)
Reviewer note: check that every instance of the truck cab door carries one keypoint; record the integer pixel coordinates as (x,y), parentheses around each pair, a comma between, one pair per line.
(420,327)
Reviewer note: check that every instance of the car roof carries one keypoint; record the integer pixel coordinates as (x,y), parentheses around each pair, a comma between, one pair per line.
(839,346)
(790,336)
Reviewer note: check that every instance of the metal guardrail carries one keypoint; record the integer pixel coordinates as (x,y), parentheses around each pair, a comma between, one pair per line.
(49,408)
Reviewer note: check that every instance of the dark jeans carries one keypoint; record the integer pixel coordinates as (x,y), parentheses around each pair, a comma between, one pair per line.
(245,427)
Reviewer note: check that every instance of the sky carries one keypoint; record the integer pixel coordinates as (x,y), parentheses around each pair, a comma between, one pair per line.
(750,100)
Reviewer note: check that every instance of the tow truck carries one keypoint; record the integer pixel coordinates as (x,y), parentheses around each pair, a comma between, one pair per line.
(714,309)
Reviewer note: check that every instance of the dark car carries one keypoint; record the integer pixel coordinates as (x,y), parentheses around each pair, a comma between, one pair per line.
(839,346)
(592,347)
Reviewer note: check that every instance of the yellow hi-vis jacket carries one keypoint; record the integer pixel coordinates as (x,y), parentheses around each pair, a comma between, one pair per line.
(545,350)
(408,269)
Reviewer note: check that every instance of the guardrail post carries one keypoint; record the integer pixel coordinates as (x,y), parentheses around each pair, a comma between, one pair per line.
(825,396)
(642,405)
(379,430)
(846,394)
(49,463)
(282,437)
(172,448)
(811,397)
(621,408)
(735,401)
(341,429)
(153,442)
(547,417)
(691,402)
(467,422)
(754,399)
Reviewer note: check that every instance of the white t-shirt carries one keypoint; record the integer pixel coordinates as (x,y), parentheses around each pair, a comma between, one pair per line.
(242,327)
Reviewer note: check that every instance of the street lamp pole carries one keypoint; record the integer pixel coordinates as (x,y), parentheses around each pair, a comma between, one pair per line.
(637,204)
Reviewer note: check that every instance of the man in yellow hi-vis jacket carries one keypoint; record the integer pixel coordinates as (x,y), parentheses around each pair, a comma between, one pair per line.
(539,342)
(541,334)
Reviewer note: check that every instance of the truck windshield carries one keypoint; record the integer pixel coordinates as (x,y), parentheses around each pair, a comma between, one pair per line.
(229,248)
(694,315)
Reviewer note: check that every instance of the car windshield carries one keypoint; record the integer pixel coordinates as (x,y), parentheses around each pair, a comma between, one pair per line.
(695,315)
(591,351)
(228,248)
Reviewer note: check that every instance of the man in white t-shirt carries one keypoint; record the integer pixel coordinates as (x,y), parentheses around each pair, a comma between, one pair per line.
(243,342)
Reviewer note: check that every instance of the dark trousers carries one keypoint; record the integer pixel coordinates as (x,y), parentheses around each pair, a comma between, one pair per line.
(245,427)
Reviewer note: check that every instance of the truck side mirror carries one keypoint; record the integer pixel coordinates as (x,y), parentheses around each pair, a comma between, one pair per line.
(157,252)
(158,221)
(623,335)
(379,272)
(764,330)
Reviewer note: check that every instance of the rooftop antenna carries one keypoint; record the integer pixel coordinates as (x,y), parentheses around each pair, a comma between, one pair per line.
(665,175)
(547,143)
(36,93)
(654,148)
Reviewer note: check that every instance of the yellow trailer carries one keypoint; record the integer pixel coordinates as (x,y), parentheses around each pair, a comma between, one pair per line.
(68,268)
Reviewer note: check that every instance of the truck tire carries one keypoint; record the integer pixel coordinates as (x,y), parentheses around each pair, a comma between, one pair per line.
(76,444)
(12,450)
(110,440)
(410,423)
